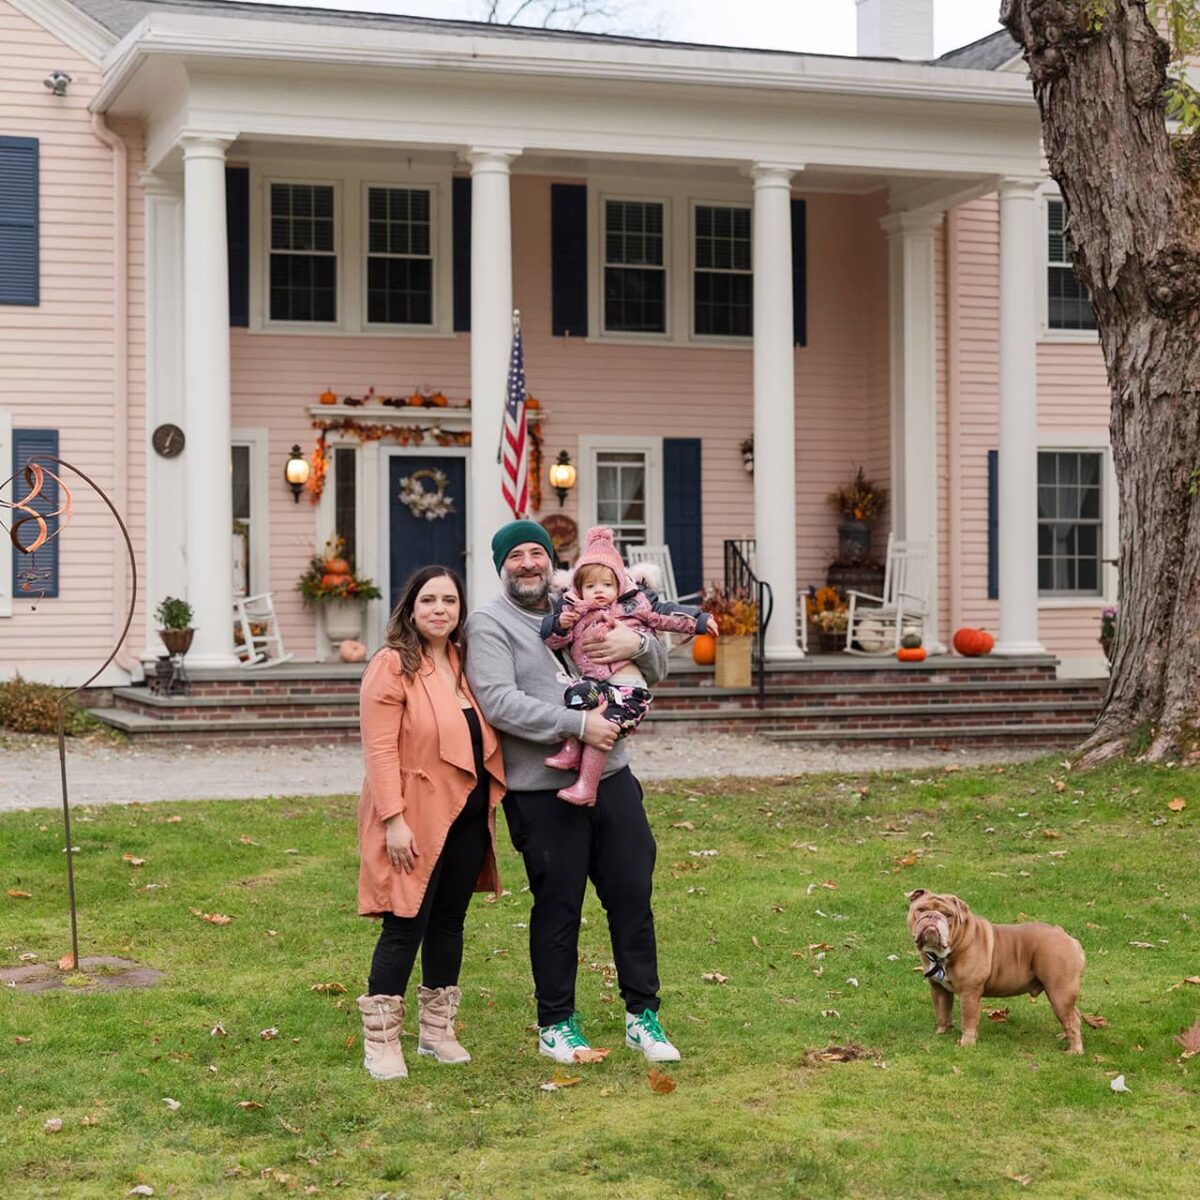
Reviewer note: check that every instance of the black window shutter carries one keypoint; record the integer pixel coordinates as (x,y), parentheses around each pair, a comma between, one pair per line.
(993,526)
(19,254)
(237,224)
(35,575)
(682,511)
(461,222)
(568,259)
(799,274)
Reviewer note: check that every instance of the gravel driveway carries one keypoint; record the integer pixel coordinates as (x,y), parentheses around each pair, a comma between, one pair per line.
(104,774)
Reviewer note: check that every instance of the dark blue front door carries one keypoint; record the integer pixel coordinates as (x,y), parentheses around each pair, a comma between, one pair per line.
(417,541)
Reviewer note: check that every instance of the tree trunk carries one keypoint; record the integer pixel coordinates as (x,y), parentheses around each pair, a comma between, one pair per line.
(1099,73)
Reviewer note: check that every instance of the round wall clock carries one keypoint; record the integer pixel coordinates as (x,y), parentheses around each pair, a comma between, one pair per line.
(168,440)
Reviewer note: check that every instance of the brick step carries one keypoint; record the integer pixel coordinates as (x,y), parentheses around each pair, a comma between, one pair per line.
(975,735)
(137,699)
(837,719)
(142,727)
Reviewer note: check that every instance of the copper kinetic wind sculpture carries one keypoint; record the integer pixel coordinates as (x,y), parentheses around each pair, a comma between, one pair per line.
(28,542)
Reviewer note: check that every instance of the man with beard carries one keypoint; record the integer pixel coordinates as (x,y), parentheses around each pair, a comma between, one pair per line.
(519,684)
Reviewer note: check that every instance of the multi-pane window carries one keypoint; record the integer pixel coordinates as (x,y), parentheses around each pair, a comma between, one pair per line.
(635,274)
(621,495)
(399,256)
(1070,522)
(303,253)
(722,290)
(1069,303)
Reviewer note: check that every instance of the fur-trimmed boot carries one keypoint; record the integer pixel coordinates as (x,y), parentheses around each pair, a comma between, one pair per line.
(437,1009)
(591,767)
(568,756)
(382,1020)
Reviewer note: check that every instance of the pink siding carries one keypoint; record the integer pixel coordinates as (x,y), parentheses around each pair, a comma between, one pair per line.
(57,362)
(1072,395)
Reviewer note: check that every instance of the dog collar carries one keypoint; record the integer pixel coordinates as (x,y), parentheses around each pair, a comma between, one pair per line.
(937,968)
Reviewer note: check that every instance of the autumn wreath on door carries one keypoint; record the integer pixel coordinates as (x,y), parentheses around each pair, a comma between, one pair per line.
(429,503)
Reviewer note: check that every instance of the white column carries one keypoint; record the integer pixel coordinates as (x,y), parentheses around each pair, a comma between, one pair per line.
(491,344)
(166,527)
(1017,565)
(206,400)
(913,324)
(775,403)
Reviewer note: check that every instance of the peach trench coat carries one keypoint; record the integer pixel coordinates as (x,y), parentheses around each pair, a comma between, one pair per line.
(418,759)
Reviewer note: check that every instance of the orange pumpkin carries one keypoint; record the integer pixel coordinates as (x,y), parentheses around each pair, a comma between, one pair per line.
(416,400)
(911,654)
(337,566)
(351,651)
(332,581)
(532,402)
(704,649)
(438,400)
(972,643)
(328,397)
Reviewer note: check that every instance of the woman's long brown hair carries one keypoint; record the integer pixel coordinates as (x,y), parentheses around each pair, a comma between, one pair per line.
(402,635)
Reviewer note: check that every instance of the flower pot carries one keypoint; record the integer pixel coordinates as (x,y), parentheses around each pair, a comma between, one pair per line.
(733,661)
(1106,644)
(343,619)
(831,641)
(854,542)
(177,641)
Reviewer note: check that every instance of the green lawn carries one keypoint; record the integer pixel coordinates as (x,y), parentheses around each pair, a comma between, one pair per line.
(800,863)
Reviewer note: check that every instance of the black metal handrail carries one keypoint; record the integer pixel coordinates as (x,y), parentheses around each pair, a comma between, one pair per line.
(740,580)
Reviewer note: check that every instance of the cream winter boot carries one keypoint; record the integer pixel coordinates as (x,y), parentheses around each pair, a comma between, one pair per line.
(438,1008)
(382,1018)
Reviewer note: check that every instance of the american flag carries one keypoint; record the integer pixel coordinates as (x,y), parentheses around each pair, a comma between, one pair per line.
(514,440)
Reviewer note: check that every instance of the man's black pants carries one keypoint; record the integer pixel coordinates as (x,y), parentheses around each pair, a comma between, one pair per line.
(564,845)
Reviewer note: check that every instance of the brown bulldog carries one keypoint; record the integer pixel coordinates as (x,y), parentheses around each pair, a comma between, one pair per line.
(968,957)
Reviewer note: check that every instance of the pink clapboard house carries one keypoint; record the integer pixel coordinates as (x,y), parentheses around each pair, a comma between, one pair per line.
(228,210)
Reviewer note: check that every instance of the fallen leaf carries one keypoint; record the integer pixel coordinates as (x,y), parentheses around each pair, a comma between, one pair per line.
(216,918)
(1023,1180)
(218,1030)
(906,860)
(661,1082)
(1050,833)
(17,894)
(89,1120)
(247,840)
(352,1038)
(142,1189)
(53,1125)
(1189,1039)
(272,933)
(1177,805)
(277,1176)
(756,943)
(593,1054)
(250,1105)
(289,1127)
(269,1034)
(997,1014)
(714,977)
(22,1041)
(1096,1022)
(172,820)
(852,981)
(133,860)
(1118,1084)
(704,853)
(1144,945)
(67,962)
(336,988)
(562,1079)
(830,1012)
(29,956)
(173,1105)
(688,825)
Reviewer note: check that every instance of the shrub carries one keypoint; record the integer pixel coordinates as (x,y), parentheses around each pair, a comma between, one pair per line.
(174,613)
(33,708)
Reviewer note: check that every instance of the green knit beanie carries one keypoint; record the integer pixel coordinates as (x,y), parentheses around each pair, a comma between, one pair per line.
(515,533)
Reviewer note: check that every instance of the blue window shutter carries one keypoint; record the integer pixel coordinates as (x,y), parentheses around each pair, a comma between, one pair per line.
(35,574)
(237,224)
(682,511)
(19,234)
(568,259)
(799,274)
(461,222)
(993,526)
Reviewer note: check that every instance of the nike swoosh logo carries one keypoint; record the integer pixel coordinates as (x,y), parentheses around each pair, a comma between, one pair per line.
(635,1037)
(548,1042)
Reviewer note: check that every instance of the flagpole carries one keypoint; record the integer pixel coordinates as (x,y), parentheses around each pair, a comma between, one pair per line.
(516,322)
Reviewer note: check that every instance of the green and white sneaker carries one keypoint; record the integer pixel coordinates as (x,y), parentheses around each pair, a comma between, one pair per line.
(560,1041)
(644,1033)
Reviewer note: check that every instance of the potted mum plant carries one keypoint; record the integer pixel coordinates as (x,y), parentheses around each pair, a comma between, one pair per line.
(859,503)
(737,618)
(174,617)
(828,615)
(330,585)
(1108,631)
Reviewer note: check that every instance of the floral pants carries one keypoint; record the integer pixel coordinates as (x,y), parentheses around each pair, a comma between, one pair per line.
(624,704)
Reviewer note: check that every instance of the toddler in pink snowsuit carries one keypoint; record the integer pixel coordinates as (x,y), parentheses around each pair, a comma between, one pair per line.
(600,595)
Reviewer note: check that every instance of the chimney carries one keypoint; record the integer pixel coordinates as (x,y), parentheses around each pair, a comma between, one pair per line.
(895,29)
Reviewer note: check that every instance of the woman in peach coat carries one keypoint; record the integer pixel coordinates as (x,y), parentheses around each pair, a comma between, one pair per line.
(426,819)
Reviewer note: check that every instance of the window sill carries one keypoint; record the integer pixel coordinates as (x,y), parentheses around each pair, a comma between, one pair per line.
(1053,602)
(1076,337)
(397,331)
(675,343)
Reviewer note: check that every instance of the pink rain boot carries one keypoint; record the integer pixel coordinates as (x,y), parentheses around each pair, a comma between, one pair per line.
(583,790)
(567,758)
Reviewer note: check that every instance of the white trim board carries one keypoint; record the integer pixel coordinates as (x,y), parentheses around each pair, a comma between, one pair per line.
(6,560)
(72,27)
(259,442)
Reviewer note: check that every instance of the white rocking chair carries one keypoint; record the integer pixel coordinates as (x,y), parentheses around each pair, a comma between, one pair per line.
(263,648)
(877,623)
(660,557)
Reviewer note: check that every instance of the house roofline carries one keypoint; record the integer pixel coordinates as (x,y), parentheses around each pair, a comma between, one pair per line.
(71,25)
(196,37)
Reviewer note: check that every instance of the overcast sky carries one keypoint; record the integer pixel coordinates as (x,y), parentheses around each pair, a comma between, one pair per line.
(816,26)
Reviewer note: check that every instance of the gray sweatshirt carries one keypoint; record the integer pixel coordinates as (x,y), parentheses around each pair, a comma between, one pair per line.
(519,684)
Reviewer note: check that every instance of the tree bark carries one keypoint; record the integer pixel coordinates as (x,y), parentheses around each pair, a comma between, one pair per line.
(1099,73)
